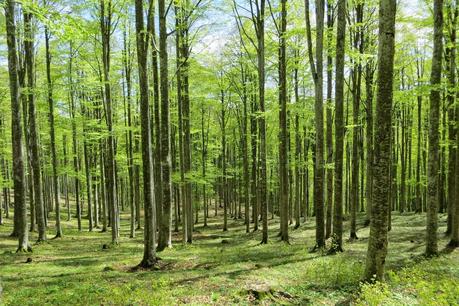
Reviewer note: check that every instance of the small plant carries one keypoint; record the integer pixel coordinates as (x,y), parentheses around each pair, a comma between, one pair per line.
(376,293)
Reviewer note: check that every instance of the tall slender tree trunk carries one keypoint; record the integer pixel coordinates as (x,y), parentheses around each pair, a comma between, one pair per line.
(74,137)
(453,184)
(254,177)
(329,116)
(149,254)
(434,133)
(16,131)
(166,215)
(356,91)
(283,137)
(339,129)
(54,159)
(377,244)
(33,125)
(87,166)
(298,146)
(317,73)
(106,14)
(223,161)
(129,145)
(156,122)
(453,115)
(245,153)
(369,75)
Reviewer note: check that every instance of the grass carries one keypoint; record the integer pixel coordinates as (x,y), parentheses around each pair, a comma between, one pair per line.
(76,270)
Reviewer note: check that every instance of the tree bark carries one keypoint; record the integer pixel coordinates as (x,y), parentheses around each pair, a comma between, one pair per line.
(434,134)
(16,131)
(283,134)
(377,244)
(149,254)
(33,126)
(166,214)
(54,159)
(106,30)
(339,129)
(317,73)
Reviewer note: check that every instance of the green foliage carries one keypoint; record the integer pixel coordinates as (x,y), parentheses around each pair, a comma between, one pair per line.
(434,282)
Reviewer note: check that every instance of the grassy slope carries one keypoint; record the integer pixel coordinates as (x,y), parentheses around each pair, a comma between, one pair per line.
(76,270)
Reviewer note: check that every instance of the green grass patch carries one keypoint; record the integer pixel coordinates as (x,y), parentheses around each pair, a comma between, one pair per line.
(76,270)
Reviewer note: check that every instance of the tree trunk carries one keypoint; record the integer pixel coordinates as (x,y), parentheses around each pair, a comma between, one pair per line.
(317,73)
(434,133)
(16,131)
(33,126)
(377,244)
(329,116)
(369,75)
(149,254)
(106,30)
(452,116)
(339,129)
(283,137)
(54,159)
(166,214)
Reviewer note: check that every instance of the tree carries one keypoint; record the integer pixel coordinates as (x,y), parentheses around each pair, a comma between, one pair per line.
(329,116)
(377,243)
(257,16)
(356,77)
(283,138)
(452,13)
(106,14)
(20,207)
(434,134)
(149,254)
(317,75)
(339,129)
(33,126)
(54,158)
(166,214)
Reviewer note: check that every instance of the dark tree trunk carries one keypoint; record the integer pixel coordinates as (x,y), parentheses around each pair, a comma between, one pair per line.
(339,129)
(329,116)
(283,134)
(317,73)
(149,254)
(54,158)
(106,14)
(16,131)
(33,125)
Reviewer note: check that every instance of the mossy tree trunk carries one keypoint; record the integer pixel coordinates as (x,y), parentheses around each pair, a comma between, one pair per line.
(434,133)
(377,244)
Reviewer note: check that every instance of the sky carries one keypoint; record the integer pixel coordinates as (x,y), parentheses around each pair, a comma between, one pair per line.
(221,25)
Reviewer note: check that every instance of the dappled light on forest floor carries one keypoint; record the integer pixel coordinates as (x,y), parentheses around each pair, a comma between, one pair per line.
(77,270)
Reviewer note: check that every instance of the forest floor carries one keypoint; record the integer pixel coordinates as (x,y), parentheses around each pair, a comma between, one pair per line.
(225,268)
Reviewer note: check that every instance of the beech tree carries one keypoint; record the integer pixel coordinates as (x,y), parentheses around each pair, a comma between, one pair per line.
(175,121)
(16,132)
(434,134)
(316,65)
(377,244)
(339,129)
(149,254)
